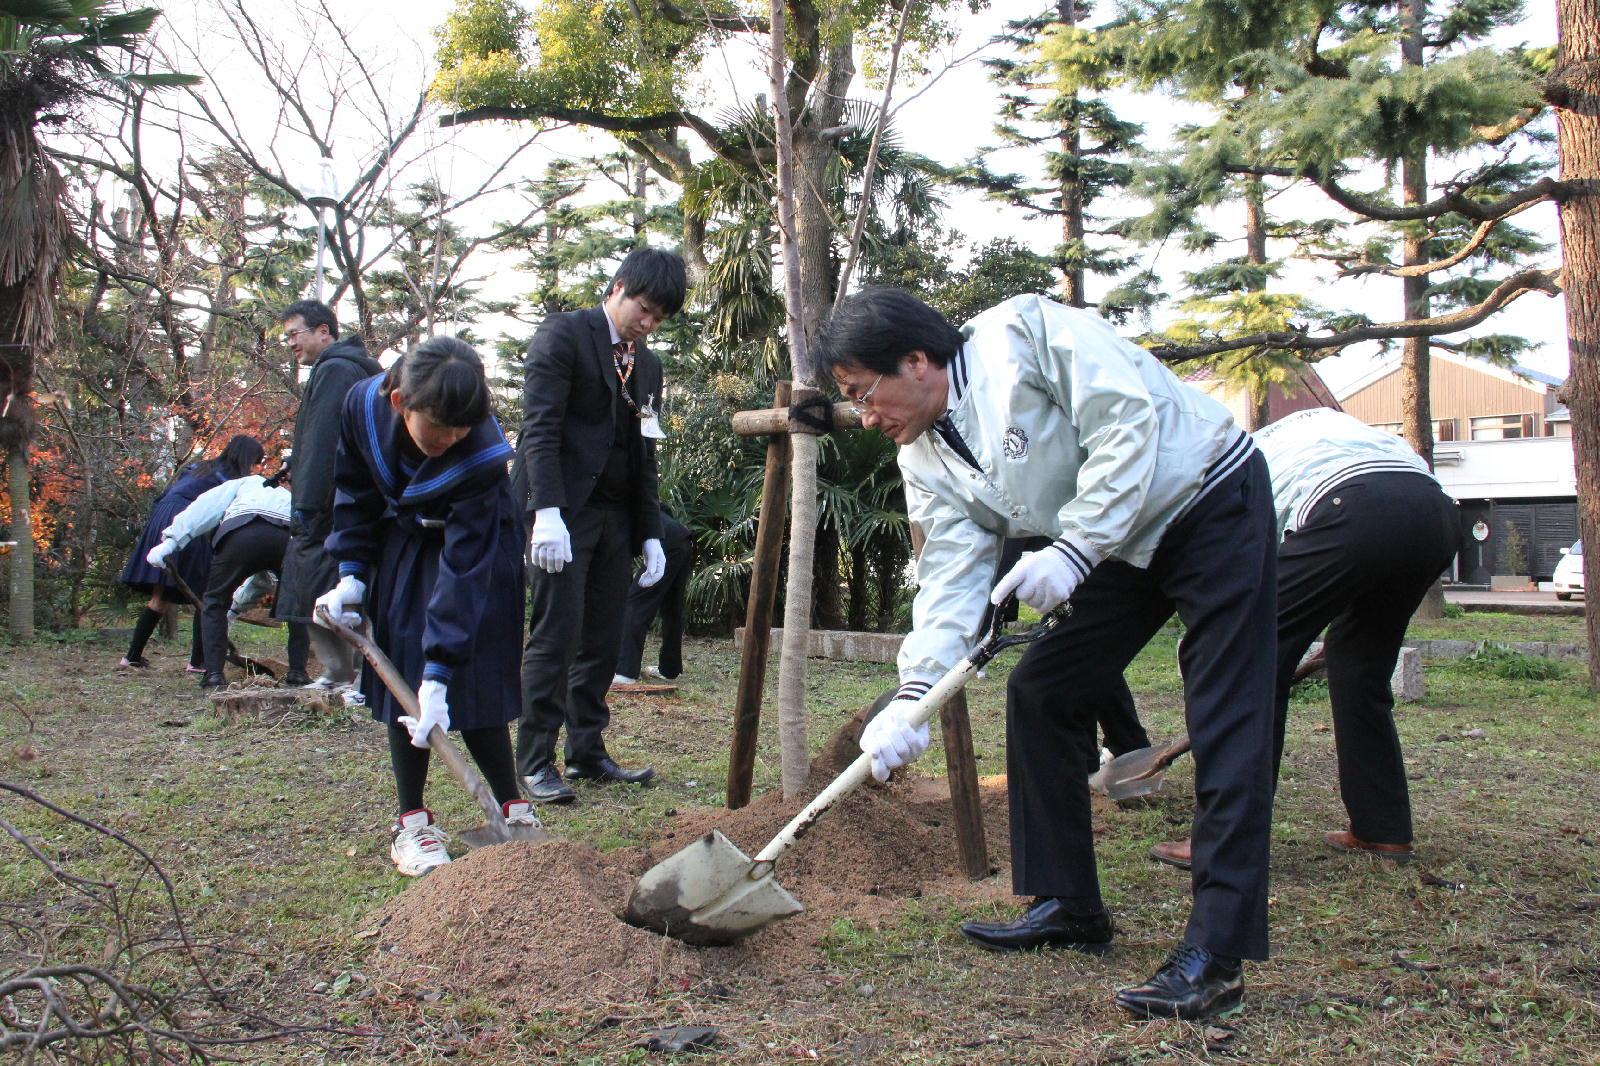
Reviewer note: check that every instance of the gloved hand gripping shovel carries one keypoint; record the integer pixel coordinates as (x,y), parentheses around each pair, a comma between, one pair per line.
(712,893)
(496,831)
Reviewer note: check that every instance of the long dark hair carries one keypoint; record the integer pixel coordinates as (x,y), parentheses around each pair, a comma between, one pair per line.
(236,460)
(444,377)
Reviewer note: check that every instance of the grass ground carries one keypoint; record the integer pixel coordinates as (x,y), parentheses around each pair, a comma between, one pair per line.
(275,839)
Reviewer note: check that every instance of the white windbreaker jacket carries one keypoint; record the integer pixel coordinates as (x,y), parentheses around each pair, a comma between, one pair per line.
(1310,453)
(1078,435)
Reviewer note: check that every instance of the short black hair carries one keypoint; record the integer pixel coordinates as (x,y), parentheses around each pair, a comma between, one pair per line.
(444,377)
(313,313)
(657,275)
(877,327)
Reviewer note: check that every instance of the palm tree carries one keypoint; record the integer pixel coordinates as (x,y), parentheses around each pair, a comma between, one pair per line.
(55,55)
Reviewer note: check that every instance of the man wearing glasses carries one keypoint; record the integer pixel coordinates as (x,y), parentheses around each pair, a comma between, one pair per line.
(1036,419)
(310,332)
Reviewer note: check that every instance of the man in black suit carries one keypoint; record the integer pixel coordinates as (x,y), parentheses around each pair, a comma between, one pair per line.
(587,451)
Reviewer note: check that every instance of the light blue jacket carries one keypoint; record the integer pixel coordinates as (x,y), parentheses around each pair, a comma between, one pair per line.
(1079,435)
(242,497)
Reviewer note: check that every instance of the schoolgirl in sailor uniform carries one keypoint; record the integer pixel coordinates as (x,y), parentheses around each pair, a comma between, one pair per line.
(241,456)
(426,533)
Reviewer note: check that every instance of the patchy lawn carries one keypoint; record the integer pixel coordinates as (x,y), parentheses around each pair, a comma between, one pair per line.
(275,838)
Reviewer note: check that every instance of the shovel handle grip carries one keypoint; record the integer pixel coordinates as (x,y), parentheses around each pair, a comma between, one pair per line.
(859,770)
(407,698)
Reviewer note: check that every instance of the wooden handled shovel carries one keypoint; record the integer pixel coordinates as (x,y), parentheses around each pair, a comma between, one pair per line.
(496,831)
(243,662)
(713,893)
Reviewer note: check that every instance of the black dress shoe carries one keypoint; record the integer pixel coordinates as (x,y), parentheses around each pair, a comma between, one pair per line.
(1047,924)
(211,681)
(295,679)
(1193,983)
(603,769)
(546,786)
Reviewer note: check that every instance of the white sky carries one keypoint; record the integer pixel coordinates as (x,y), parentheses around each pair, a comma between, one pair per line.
(948,121)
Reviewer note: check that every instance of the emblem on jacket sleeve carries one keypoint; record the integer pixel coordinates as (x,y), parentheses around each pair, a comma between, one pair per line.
(1015,443)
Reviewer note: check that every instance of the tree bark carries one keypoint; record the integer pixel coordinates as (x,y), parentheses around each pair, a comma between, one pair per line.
(22,550)
(1417,411)
(1071,188)
(1255,242)
(1578,139)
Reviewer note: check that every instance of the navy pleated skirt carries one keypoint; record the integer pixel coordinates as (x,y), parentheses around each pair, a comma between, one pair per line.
(193,562)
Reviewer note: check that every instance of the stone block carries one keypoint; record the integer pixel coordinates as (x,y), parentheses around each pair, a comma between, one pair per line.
(1406,681)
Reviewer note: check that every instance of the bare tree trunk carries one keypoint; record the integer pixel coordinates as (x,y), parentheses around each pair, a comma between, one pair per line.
(794,757)
(1416,414)
(1578,100)
(1255,243)
(22,550)
(1072,292)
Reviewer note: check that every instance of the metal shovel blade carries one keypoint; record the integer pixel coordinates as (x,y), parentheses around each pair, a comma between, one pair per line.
(1137,773)
(710,893)
(484,835)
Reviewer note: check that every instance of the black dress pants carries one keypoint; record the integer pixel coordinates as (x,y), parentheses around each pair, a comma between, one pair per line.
(575,627)
(1217,568)
(253,547)
(1360,565)
(664,597)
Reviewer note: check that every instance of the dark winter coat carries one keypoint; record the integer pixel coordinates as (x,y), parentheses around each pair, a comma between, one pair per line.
(308,570)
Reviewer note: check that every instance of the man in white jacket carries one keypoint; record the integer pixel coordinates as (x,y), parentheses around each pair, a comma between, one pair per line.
(1037,419)
(1366,532)
(248,522)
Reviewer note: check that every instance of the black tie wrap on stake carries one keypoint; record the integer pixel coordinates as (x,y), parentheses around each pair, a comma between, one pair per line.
(811,413)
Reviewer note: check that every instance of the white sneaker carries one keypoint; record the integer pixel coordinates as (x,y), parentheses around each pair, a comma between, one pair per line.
(351,695)
(618,679)
(520,812)
(419,844)
(325,683)
(653,674)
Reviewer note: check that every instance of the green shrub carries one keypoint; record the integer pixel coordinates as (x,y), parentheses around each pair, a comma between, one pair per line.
(1511,665)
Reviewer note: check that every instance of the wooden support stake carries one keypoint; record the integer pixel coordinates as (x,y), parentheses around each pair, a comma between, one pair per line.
(961,770)
(961,766)
(758,610)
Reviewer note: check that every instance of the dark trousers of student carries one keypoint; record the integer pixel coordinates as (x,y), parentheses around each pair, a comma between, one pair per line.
(1360,565)
(255,546)
(1217,568)
(575,627)
(665,598)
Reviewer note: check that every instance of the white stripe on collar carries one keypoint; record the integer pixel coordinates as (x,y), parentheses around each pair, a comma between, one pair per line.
(956,378)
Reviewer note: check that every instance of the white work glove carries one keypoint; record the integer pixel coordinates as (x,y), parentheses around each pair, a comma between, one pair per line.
(549,544)
(344,600)
(1044,579)
(655,563)
(161,553)
(435,712)
(891,740)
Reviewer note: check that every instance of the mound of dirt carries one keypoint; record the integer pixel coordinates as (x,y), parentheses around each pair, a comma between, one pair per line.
(531,926)
(538,926)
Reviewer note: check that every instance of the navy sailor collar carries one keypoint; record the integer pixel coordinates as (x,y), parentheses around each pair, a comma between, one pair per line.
(380,435)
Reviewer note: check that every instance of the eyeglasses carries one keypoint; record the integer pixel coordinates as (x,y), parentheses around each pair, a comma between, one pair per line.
(290,335)
(860,404)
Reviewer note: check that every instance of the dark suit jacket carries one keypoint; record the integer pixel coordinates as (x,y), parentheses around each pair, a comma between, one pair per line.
(569,388)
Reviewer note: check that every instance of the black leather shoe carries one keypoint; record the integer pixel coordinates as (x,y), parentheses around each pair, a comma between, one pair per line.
(1193,983)
(546,786)
(211,681)
(295,679)
(603,769)
(1046,924)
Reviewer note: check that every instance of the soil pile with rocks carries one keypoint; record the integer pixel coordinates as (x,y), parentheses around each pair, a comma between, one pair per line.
(538,926)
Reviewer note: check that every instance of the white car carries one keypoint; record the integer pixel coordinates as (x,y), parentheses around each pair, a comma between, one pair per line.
(1568,577)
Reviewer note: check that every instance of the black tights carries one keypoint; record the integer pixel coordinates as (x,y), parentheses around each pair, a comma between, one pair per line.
(146,626)
(490,748)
